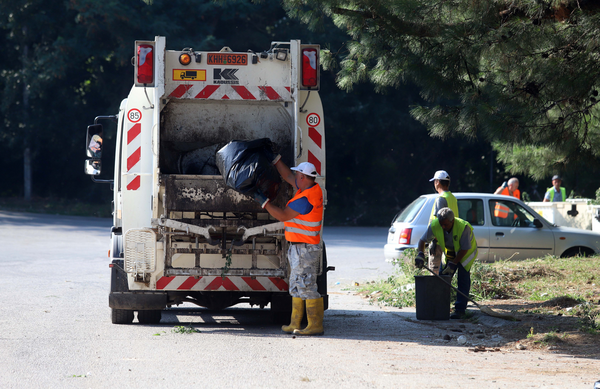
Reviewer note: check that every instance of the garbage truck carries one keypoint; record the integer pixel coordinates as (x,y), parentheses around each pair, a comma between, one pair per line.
(179,234)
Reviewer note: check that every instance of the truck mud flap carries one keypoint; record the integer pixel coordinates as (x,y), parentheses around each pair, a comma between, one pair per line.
(137,301)
(121,297)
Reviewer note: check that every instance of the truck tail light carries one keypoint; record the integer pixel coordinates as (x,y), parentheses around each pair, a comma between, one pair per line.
(145,64)
(405,235)
(310,58)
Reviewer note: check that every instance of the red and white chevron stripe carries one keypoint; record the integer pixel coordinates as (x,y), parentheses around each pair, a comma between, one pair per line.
(230,92)
(264,284)
(134,155)
(317,145)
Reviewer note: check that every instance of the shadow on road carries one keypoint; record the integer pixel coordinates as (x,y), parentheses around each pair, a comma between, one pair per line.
(482,332)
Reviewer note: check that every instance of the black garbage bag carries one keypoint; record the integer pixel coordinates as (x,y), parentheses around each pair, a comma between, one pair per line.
(246,167)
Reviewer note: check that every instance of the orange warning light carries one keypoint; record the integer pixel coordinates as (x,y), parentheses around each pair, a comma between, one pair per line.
(185,59)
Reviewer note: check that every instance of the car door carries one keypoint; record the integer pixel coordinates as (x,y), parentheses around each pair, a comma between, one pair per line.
(472,210)
(513,233)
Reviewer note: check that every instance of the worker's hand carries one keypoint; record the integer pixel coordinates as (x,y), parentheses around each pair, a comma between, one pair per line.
(420,260)
(261,199)
(450,269)
(271,154)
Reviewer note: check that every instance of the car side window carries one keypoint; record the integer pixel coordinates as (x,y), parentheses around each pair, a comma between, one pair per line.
(506,213)
(471,210)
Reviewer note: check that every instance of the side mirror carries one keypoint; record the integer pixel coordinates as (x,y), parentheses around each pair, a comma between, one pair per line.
(93,167)
(537,223)
(94,141)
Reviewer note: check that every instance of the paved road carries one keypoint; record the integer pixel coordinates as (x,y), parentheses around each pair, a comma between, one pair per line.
(55,330)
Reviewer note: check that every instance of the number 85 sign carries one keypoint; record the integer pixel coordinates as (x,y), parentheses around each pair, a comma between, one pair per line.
(313,119)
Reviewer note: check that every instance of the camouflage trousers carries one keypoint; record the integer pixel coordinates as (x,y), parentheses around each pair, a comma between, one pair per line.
(304,265)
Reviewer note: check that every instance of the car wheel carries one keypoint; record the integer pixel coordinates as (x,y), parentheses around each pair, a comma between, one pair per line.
(578,252)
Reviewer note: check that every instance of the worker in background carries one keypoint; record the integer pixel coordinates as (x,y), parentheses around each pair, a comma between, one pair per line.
(510,188)
(504,214)
(441,183)
(302,217)
(458,240)
(556,193)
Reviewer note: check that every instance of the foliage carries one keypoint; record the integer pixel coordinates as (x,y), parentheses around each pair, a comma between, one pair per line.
(589,317)
(554,281)
(56,206)
(78,67)
(185,329)
(398,289)
(521,74)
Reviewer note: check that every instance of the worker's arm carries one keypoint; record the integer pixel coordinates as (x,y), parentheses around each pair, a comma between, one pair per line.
(501,188)
(546,200)
(421,245)
(420,257)
(459,257)
(282,215)
(286,173)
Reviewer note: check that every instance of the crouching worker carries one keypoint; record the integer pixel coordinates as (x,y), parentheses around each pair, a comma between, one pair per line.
(460,248)
(302,216)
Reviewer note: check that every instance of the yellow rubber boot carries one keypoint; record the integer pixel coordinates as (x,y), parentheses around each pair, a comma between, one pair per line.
(297,315)
(314,313)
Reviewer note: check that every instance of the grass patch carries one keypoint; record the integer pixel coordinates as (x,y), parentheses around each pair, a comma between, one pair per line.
(185,330)
(55,207)
(398,289)
(561,286)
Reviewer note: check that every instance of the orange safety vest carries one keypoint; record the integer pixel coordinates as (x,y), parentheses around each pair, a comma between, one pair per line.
(503,211)
(306,228)
(516,193)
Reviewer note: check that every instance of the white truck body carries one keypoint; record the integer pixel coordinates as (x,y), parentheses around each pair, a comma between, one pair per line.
(179,234)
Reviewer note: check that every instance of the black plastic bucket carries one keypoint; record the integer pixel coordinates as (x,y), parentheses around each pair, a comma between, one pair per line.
(432,298)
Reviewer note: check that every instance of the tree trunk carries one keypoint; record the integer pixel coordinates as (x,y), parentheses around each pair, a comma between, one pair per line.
(27,173)
(26,146)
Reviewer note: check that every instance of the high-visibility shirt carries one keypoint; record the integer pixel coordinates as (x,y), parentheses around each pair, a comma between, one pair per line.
(551,191)
(457,231)
(502,211)
(516,193)
(450,200)
(306,228)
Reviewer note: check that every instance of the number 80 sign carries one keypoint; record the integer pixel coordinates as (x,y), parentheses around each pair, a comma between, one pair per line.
(313,119)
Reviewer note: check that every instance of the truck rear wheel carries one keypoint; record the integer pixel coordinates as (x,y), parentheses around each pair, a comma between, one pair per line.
(149,317)
(121,316)
(322,280)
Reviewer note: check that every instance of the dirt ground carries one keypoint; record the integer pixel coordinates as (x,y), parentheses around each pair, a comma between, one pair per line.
(540,326)
(547,332)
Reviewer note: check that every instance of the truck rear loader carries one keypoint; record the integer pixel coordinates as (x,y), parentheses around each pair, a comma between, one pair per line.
(179,234)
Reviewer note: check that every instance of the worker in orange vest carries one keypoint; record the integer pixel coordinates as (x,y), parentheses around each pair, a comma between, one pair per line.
(303,219)
(510,188)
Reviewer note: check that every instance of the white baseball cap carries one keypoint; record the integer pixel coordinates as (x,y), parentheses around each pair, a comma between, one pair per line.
(440,175)
(306,168)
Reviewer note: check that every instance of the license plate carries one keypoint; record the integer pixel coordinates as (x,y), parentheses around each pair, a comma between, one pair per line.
(227,59)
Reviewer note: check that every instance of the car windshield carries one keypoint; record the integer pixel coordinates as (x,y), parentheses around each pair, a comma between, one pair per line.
(409,213)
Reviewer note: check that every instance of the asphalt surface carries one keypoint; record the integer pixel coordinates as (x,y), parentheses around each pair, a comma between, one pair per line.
(55,329)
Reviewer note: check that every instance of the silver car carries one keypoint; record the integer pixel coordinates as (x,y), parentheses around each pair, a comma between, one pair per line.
(505,228)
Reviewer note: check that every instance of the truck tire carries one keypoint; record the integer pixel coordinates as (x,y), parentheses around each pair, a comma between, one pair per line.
(149,317)
(121,316)
(281,308)
(322,280)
